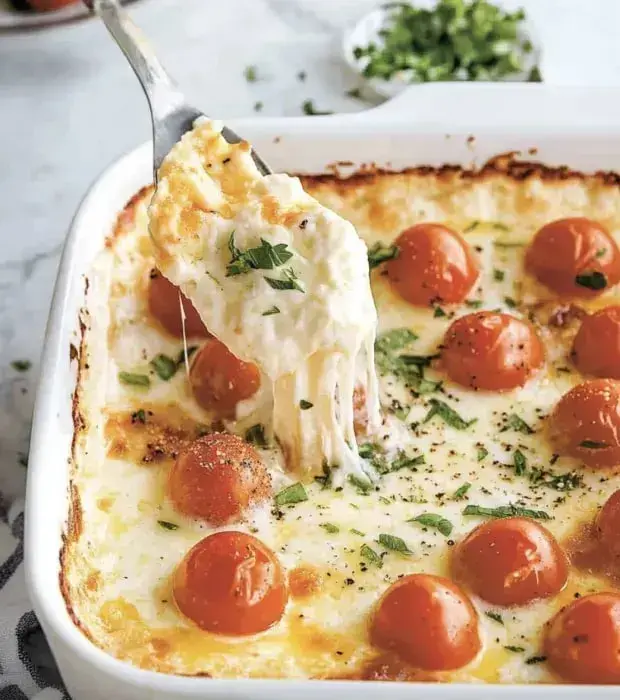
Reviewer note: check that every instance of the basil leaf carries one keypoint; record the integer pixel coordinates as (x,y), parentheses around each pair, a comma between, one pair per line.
(495,616)
(506,512)
(481,453)
(435,521)
(165,367)
(380,253)
(295,493)
(592,280)
(394,340)
(558,482)
(330,527)
(305,405)
(164,524)
(459,494)
(270,312)
(448,415)
(369,555)
(256,435)
(403,461)
(289,282)
(396,544)
(134,379)
(520,463)
(514,422)
(439,312)
(263,257)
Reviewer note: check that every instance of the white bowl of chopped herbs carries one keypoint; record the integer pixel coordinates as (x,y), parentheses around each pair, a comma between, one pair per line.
(442,40)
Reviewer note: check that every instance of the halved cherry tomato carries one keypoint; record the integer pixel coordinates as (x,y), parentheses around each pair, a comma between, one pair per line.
(574,257)
(164,305)
(492,351)
(219,380)
(586,423)
(230,583)
(218,477)
(434,265)
(596,348)
(511,561)
(428,621)
(582,642)
(608,524)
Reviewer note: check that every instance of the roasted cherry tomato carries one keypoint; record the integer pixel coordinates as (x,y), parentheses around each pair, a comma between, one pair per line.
(492,351)
(435,265)
(574,257)
(219,380)
(164,305)
(218,477)
(230,583)
(596,348)
(582,642)
(586,423)
(428,621)
(608,524)
(511,561)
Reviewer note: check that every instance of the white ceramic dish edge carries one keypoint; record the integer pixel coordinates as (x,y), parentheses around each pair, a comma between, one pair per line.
(531,113)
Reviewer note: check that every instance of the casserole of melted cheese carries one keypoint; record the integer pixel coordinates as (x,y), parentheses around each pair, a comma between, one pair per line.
(348,541)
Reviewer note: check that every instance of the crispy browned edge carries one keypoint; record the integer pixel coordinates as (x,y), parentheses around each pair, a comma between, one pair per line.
(506,164)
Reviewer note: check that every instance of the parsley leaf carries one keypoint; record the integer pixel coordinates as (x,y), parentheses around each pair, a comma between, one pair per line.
(165,525)
(380,253)
(514,422)
(439,312)
(330,527)
(394,340)
(433,520)
(460,493)
(499,275)
(558,482)
(371,556)
(305,405)
(495,616)
(134,379)
(396,544)
(592,280)
(21,365)
(139,416)
(310,110)
(165,367)
(506,512)
(289,281)
(520,462)
(295,493)
(448,415)
(250,74)
(263,257)
(270,312)
(404,461)
(481,453)
(514,649)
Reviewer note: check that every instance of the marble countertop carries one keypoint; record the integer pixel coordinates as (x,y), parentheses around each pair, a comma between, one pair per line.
(70,105)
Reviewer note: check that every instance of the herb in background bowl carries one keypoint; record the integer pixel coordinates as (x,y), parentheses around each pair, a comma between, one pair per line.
(444,40)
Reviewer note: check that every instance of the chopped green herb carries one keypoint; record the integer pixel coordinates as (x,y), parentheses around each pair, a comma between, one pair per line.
(167,526)
(516,650)
(448,415)
(435,521)
(263,257)
(134,379)
(256,435)
(418,360)
(330,527)
(258,106)
(379,253)
(514,422)
(165,367)
(355,93)
(395,340)
(305,405)
(558,482)
(357,532)
(495,616)
(535,660)
(289,281)
(295,493)
(508,244)
(138,416)
(369,555)
(310,110)
(460,493)
(481,453)
(472,227)
(510,302)
(21,365)
(396,544)
(535,76)
(473,303)
(385,501)
(375,455)
(270,312)
(250,74)
(592,280)
(181,356)
(439,312)
(499,275)
(404,461)
(499,226)
(593,445)
(506,512)
(363,487)
(520,462)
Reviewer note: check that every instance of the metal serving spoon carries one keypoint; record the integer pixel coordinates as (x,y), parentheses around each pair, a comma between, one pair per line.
(171,115)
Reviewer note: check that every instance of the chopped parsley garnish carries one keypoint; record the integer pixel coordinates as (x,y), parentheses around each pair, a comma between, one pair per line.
(330,527)
(256,435)
(506,512)
(21,365)
(404,461)
(495,616)
(22,459)
(310,110)
(258,106)
(369,555)
(250,74)
(262,257)
(363,487)
(355,93)
(374,453)
(516,650)
(305,405)
(357,532)
(600,252)
(295,493)
(535,660)
(499,275)
(520,462)
(508,244)
(139,416)
(592,280)
(394,340)
(270,312)
(473,303)
(134,379)
(165,367)
(439,312)
(593,445)
(289,281)
(481,454)
(435,521)
(472,227)
(460,493)
(510,302)
(514,422)
(558,482)
(164,524)
(448,415)
(181,356)
(380,253)
(396,544)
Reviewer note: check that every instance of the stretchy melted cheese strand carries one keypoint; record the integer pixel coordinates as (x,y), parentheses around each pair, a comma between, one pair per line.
(238,244)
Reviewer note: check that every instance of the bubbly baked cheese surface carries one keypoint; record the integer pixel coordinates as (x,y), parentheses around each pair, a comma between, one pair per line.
(445,459)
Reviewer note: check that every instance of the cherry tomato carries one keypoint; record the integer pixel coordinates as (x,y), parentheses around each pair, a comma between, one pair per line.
(47,5)
(434,265)
(428,621)
(218,477)
(511,562)
(492,351)
(608,524)
(163,301)
(574,257)
(596,349)
(586,423)
(219,380)
(582,642)
(230,583)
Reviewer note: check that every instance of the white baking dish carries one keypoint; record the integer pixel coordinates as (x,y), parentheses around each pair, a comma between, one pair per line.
(428,125)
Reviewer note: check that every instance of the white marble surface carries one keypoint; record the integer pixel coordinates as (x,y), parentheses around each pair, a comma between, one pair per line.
(69,105)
